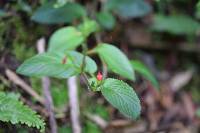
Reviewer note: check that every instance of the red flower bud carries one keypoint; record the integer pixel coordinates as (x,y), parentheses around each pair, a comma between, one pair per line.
(99,76)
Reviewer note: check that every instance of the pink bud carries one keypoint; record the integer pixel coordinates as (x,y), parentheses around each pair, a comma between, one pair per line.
(99,76)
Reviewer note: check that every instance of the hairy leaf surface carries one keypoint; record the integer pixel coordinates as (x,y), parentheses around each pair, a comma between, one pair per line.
(122,97)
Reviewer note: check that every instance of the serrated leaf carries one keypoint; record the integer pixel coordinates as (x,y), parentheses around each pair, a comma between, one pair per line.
(128,8)
(12,110)
(50,14)
(51,64)
(122,97)
(116,60)
(67,38)
(145,72)
(175,24)
(88,27)
(106,20)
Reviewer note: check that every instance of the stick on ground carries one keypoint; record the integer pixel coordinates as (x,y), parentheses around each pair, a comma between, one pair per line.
(13,77)
(74,104)
(46,90)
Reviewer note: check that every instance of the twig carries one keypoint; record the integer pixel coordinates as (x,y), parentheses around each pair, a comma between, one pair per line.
(120,123)
(74,104)
(18,81)
(49,104)
(47,94)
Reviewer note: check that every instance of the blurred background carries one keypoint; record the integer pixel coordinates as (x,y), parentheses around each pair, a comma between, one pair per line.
(164,35)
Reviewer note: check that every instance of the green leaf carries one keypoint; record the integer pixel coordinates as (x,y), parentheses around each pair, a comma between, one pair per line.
(116,60)
(14,111)
(67,38)
(175,24)
(144,71)
(48,64)
(106,20)
(122,97)
(88,27)
(128,8)
(77,58)
(51,64)
(50,14)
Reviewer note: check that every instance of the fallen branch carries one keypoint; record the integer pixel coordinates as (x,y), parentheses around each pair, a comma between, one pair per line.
(74,104)
(13,77)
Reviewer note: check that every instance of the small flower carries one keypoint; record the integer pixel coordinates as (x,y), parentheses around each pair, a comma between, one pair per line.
(99,76)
